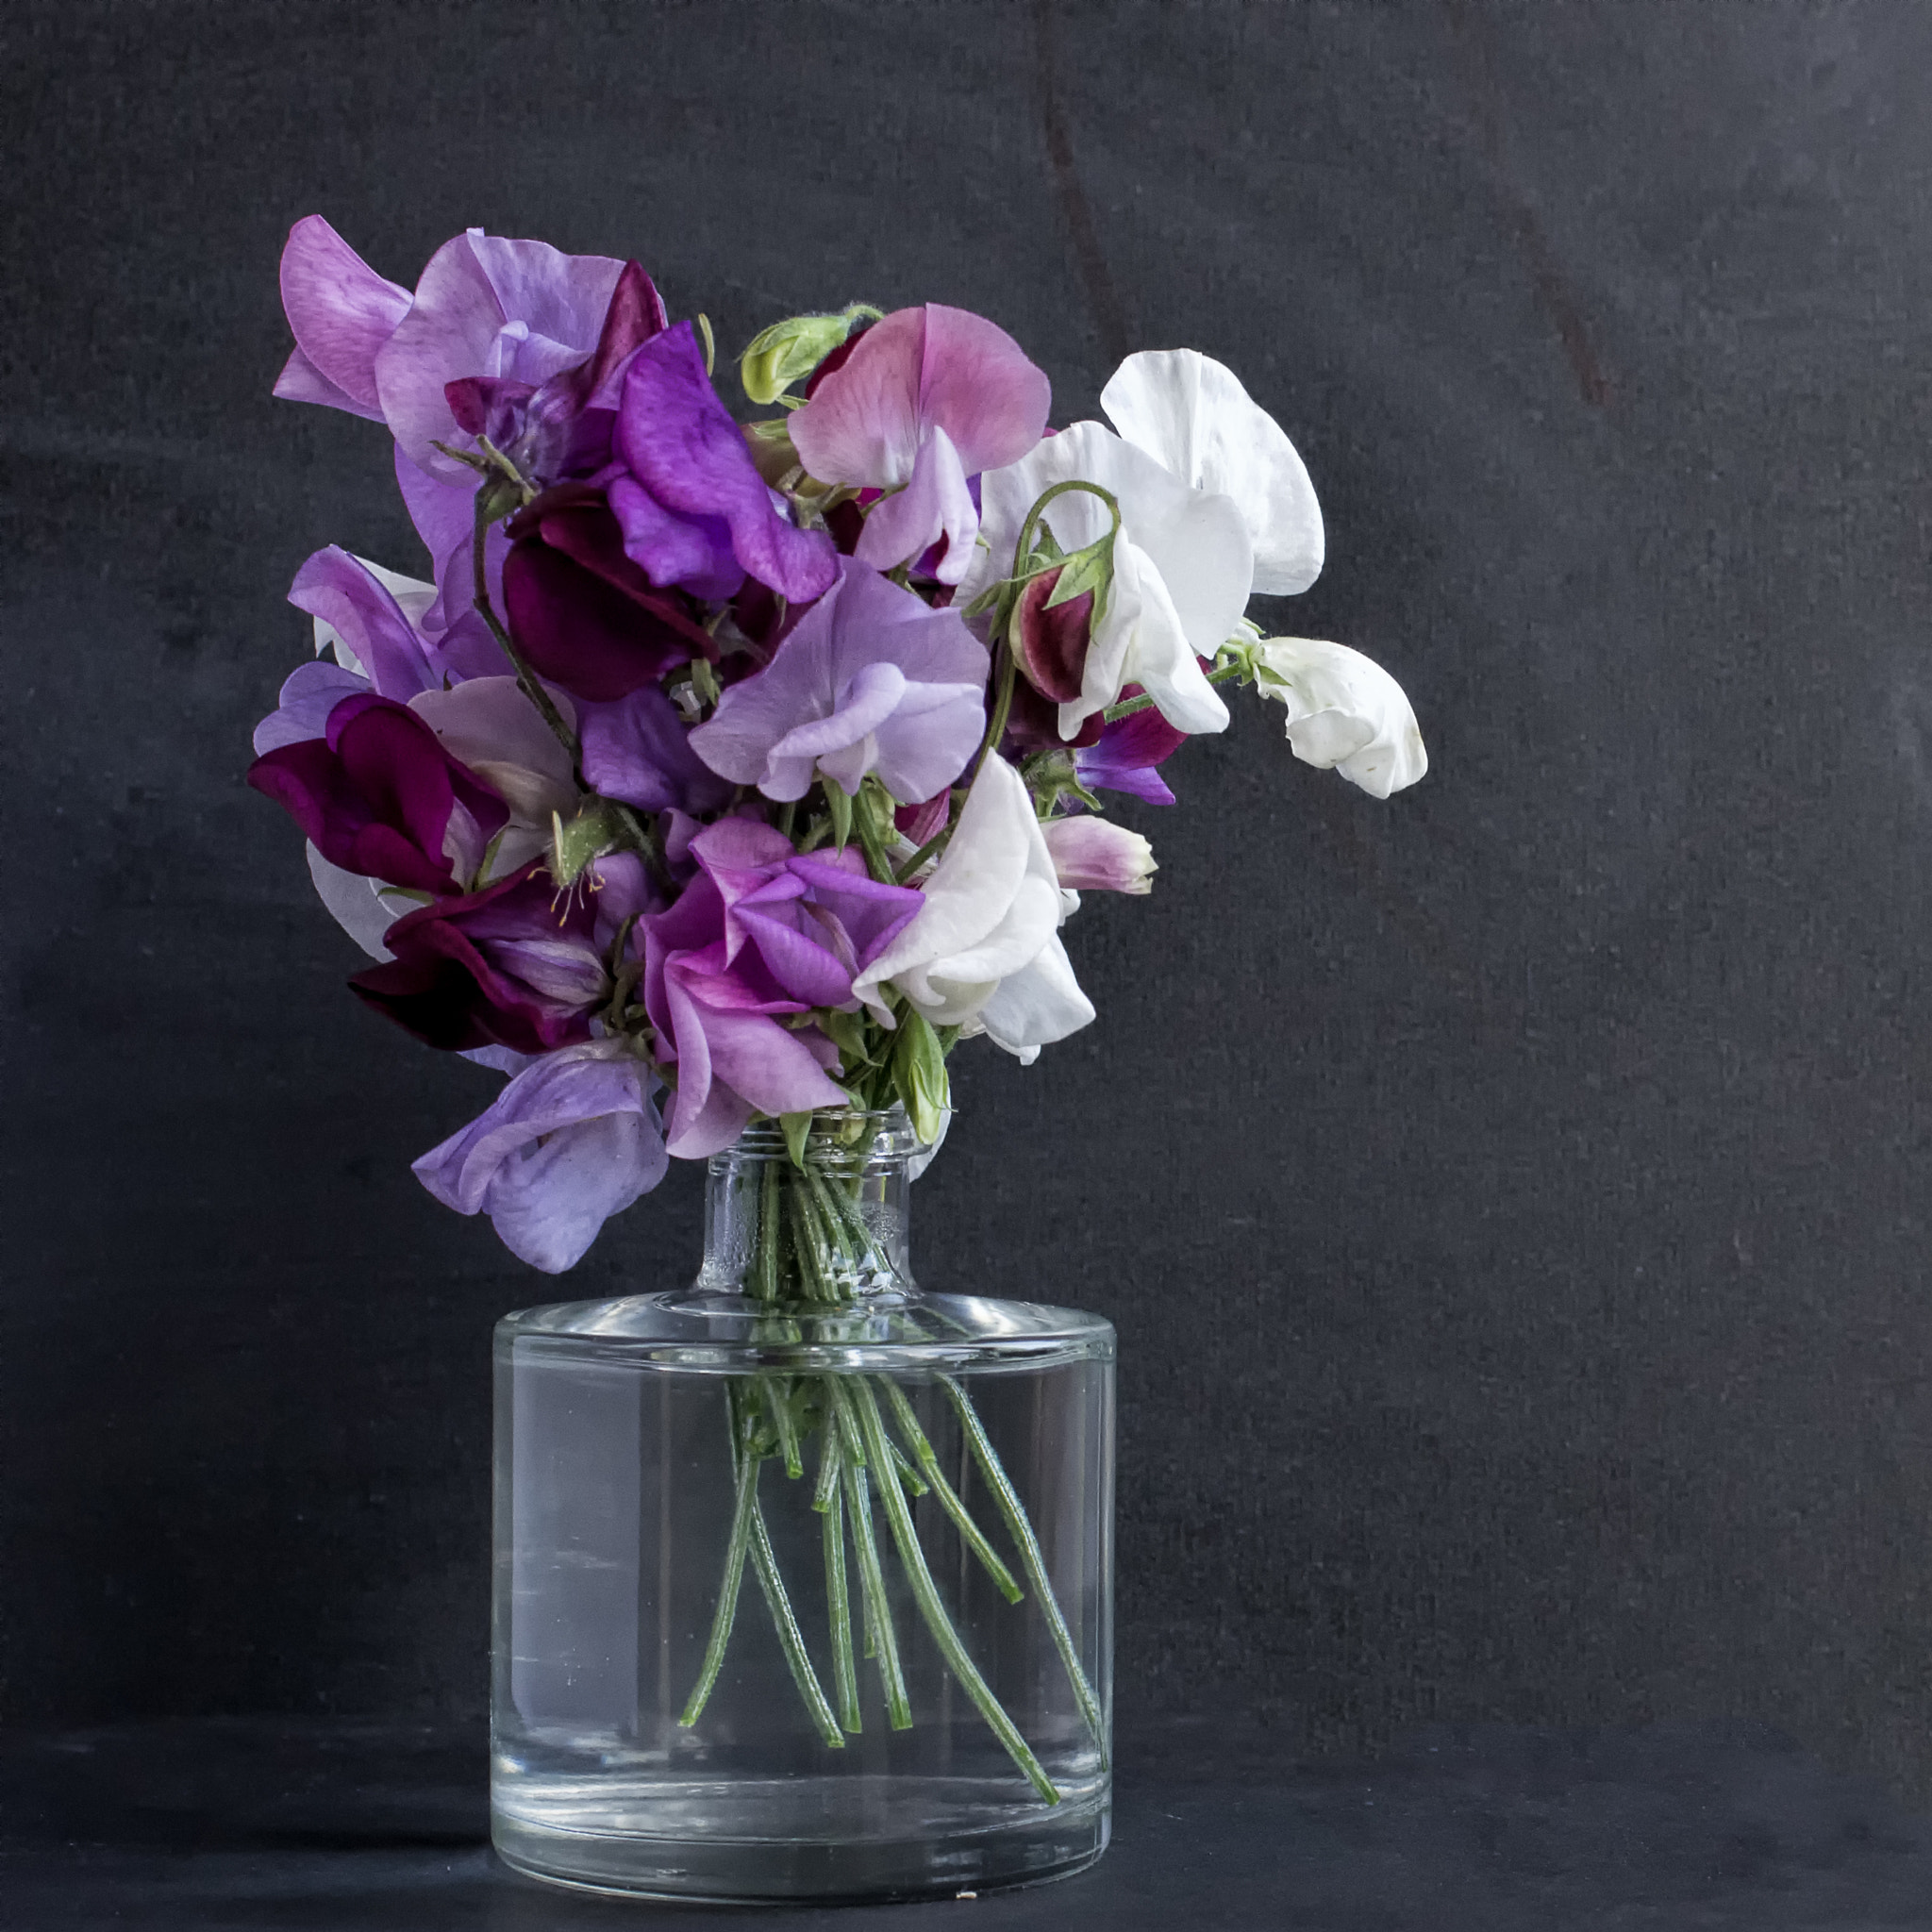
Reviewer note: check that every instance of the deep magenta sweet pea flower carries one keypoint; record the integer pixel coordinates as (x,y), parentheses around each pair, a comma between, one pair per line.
(517,965)
(927,398)
(583,612)
(872,680)
(694,509)
(572,1139)
(378,795)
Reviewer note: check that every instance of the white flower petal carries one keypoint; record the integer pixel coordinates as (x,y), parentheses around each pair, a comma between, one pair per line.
(993,906)
(1193,416)
(1344,712)
(1181,573)
(355,903)
(1038,1004)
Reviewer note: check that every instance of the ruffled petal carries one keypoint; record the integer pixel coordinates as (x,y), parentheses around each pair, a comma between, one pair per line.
(1193,416)
(342,312)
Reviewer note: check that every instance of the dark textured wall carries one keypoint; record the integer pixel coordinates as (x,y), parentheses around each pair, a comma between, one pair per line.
(1510,1197)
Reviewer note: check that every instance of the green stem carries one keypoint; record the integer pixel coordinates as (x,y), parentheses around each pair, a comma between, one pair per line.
(768,1233)
(925,1594)
(726,1613)
(527,679)
(1127,707)
(783,1426)
(1032,1560)
(764,1563)
(872,1579)
(838,1595)
(970,1532)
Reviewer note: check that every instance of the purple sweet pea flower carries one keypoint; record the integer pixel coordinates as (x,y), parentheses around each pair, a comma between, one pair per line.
(582,613)
(379,796)
(353,602)
(504,966)
(814,919)
(342,312)
(697,512)
(1127,754)
(571,1140)
(639,750)
(927,398)
(871,678)
(716,1019)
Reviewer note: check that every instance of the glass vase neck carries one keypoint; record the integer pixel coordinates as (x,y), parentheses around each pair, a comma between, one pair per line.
(823,1225)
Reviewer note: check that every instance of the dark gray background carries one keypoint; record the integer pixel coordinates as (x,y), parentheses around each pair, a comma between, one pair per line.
(1510,1197)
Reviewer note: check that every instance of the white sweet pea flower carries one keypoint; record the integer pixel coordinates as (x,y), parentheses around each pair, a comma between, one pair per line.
(1191,415)
(983,951)
(1182,567)
(1344,712)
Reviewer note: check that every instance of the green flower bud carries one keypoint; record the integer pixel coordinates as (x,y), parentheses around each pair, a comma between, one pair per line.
(919,1072)
(789,351)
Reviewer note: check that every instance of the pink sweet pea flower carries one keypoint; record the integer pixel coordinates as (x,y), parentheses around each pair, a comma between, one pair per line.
(926,399)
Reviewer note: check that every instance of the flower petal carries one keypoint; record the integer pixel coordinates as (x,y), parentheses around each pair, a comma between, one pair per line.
(935,504)
(342,312)
(1191,415)
(1344,712)
(681,445)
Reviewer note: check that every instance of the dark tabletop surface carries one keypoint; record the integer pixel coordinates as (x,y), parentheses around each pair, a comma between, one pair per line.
(239,1824)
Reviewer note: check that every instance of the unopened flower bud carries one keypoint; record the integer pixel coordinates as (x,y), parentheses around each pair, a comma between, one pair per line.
(1093,855)
(1050,639)
(789,351)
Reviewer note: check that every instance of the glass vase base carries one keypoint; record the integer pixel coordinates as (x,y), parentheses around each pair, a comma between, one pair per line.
(868,1838)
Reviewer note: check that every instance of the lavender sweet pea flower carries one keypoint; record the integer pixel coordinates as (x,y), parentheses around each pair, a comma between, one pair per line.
(487,307)
(927,398)
(871,679)
(571,1140)
(696,512)
(380,796)
(718,1019)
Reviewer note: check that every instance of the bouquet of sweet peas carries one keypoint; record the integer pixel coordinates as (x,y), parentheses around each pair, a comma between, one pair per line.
(727,771)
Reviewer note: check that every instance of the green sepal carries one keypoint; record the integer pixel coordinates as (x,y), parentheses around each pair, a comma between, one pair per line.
(846,1031)
(1088,569)
(797,1130)
(919,1073)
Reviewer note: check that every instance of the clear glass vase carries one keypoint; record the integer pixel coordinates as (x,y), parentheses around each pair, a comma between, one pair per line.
(804,1582)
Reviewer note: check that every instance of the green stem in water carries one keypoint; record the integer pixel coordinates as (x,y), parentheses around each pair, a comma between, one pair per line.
(837,1594)
(970,1533)
(768,1233)
(872,1580)
(764,1563)
(735,1550)
(1032,1560)
(925,1594)
(783,1426)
